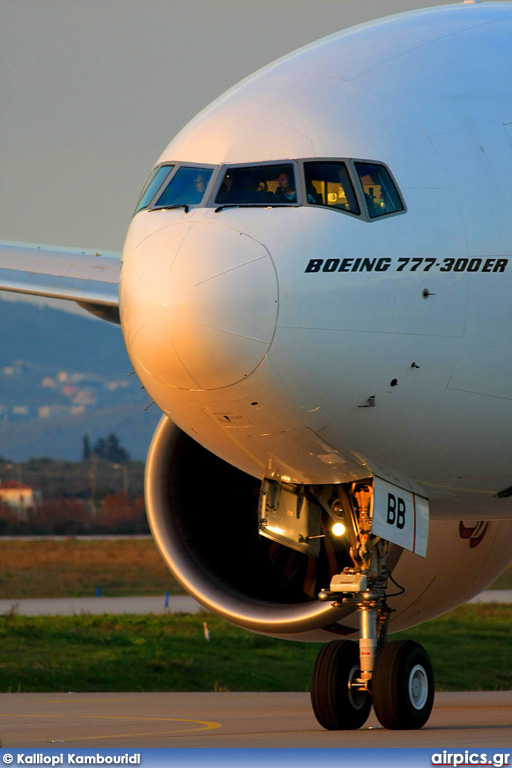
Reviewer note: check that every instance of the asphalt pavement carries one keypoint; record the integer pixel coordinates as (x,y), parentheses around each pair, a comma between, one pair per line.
(72,606)
(278,719)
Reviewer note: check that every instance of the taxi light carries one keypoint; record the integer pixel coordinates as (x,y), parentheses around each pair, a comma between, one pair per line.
(338,529)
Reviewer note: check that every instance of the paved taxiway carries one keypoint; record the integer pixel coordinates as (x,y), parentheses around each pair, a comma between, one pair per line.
(74,606)
(141,605)
(134,720)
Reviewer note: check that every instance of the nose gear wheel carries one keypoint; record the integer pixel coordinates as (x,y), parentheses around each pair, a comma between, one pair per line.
(336,704)
(403,685)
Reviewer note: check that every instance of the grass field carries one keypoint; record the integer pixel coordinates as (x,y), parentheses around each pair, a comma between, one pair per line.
(471,649)
(505,580)
(77,567)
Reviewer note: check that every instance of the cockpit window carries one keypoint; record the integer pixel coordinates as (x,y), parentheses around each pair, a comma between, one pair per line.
(186,187)
(363,188)
(328,183)
(258,185)
(152,185)
(380,192)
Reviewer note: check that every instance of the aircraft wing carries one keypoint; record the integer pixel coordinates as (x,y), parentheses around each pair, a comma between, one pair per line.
(89,278)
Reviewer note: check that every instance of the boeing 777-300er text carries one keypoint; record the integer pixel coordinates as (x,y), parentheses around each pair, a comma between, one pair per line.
(316,290)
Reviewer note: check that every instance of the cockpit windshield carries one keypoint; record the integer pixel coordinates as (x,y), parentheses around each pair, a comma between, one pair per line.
(362,188)
(258,185)
(152,185)
(328,183)
(186,187)
(380,193)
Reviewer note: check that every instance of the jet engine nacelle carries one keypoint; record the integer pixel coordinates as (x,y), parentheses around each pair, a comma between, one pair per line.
(203,514)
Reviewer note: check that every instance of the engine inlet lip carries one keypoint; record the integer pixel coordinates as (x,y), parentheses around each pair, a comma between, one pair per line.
(252,614)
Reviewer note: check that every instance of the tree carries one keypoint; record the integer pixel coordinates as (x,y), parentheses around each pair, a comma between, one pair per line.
(86,448)
(115,452)
(110,449)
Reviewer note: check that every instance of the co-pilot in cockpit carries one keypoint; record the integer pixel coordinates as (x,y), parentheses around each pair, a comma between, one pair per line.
(256,185)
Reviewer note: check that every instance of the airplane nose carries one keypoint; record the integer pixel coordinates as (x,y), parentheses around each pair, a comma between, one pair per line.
(199,305)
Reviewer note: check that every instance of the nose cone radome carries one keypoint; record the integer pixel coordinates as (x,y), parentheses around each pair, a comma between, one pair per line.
(199,305)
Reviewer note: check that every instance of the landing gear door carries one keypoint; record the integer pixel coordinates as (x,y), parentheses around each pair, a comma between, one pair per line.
(290,518)
(400,516)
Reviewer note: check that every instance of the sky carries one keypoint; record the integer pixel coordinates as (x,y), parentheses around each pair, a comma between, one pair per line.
(92,91)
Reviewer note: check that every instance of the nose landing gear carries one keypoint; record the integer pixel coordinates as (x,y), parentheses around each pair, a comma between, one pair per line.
(396,677)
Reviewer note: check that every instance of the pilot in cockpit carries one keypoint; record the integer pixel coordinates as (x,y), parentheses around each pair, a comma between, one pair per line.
(285,192)
(197,190)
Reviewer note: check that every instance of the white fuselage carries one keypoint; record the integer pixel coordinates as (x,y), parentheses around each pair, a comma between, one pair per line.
(315,346)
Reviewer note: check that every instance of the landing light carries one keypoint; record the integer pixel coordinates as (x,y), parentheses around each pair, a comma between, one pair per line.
(338,529)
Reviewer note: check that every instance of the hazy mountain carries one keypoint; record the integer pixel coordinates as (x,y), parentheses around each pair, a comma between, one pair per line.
(61,376)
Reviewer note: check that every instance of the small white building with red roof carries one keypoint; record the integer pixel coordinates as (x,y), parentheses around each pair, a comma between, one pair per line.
(19,497)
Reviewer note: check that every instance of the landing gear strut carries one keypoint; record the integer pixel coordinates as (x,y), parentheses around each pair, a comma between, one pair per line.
(347,678)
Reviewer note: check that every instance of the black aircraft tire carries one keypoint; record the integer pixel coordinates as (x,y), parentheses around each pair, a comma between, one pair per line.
(335,705)
(403,685)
